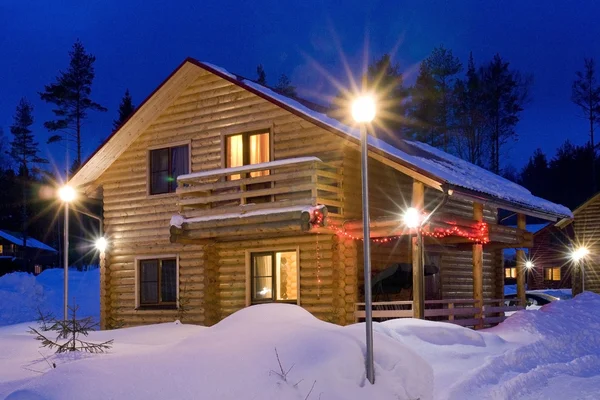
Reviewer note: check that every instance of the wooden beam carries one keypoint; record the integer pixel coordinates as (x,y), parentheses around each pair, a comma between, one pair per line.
(478,264)
(418,202)
(521,264)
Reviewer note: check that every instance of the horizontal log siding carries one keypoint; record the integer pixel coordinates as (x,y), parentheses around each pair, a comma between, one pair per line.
(138,225)
(457,274)
(587,229)
(549,249)
(319,260)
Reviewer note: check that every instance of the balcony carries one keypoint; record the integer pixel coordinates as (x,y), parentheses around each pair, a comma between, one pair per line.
(278,195)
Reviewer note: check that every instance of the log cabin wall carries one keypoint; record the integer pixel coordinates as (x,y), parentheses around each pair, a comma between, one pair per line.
(586,226)
(138,224)
(327,271)
(548,251)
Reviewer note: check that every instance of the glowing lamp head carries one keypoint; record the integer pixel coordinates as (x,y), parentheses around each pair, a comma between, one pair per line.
(363,109)
(101,244)
(66,193)
(579,253)
(412,218)
(528,264)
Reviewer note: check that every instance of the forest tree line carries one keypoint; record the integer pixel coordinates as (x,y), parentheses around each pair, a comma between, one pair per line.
(468,109)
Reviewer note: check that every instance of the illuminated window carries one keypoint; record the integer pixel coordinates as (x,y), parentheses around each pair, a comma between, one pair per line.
(552,274)
(166,165)
(246,149)
(274,276)
(510,272)
(157,282)
(1,249)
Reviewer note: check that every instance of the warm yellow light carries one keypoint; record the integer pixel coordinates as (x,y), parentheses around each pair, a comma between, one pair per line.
(363,109)
(101,244)
(580,253)
(66,193)
(528,264)
(412,218)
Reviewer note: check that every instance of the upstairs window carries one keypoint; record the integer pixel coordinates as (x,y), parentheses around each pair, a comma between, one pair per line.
(274,276)
(166,165)
(158,282)
(246,149)
(552,274)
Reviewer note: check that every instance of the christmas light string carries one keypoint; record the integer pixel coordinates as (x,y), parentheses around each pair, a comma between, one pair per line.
(481,228)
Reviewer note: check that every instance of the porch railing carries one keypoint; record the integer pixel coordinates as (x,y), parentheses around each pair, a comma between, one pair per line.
(465,312)
(283,183)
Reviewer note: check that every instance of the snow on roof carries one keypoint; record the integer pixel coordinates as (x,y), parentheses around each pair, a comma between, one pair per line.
(453,170)
(178,220)
(31,242)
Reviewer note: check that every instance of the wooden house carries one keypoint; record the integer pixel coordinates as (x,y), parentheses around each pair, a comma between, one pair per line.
(553,250)
(219,193)
(12,255)
(550,256)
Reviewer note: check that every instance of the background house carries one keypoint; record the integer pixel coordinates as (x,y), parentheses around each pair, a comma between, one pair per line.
(12,253)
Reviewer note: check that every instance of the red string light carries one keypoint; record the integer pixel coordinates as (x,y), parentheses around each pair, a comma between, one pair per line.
(480,236)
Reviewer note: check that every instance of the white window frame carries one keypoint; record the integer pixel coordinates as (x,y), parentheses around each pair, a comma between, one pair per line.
(269,249)
(149,170)
(137,276)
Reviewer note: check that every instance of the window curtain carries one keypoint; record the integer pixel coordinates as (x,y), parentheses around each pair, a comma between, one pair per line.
(235,153)
(263,277)
(259,152)
(180,164)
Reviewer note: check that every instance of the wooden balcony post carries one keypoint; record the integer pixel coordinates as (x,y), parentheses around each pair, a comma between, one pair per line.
(418,202)
(478,266)
(521,265)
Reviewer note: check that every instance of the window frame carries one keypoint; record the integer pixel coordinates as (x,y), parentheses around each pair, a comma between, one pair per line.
(249,131)
(158,306)
(510,271)
(552,269)
(169,145)
(250,280)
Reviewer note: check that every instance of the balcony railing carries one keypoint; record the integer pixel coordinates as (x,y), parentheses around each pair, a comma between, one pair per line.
(284,183)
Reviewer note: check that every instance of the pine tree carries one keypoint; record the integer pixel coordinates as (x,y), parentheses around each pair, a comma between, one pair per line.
(71,95)
(471,142)
(25,152)
(261,76)
(126,108)
(285,87)
(386,80)
(434,92)
(505,93)
(534,175)
(586,95)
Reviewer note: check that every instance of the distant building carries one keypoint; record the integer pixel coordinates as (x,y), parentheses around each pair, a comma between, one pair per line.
(550,255)
(40,255)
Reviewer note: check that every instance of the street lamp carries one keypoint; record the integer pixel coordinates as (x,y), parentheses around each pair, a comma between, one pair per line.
(577,255)
(363,112)
(67,195)
(101,244)
(528,264)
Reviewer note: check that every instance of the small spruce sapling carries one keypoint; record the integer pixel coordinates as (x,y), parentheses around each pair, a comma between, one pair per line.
(69,335)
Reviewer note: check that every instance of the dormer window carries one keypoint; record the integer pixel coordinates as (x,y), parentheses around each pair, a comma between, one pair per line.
(166,165)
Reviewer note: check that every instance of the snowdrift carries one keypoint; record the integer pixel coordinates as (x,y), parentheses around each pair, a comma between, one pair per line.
(234,359)
(21,294)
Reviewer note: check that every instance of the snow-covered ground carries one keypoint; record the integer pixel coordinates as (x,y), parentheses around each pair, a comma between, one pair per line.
(552,353)
(22,294)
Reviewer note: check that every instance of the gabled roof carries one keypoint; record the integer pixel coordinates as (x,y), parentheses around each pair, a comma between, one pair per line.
(17,239)
(566,221)
(433,166)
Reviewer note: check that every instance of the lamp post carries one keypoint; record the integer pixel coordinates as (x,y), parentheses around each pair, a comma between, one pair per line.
(363,112)
(578,255)
(67,195)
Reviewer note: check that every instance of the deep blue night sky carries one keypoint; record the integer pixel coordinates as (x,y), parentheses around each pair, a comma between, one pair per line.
(138,43)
